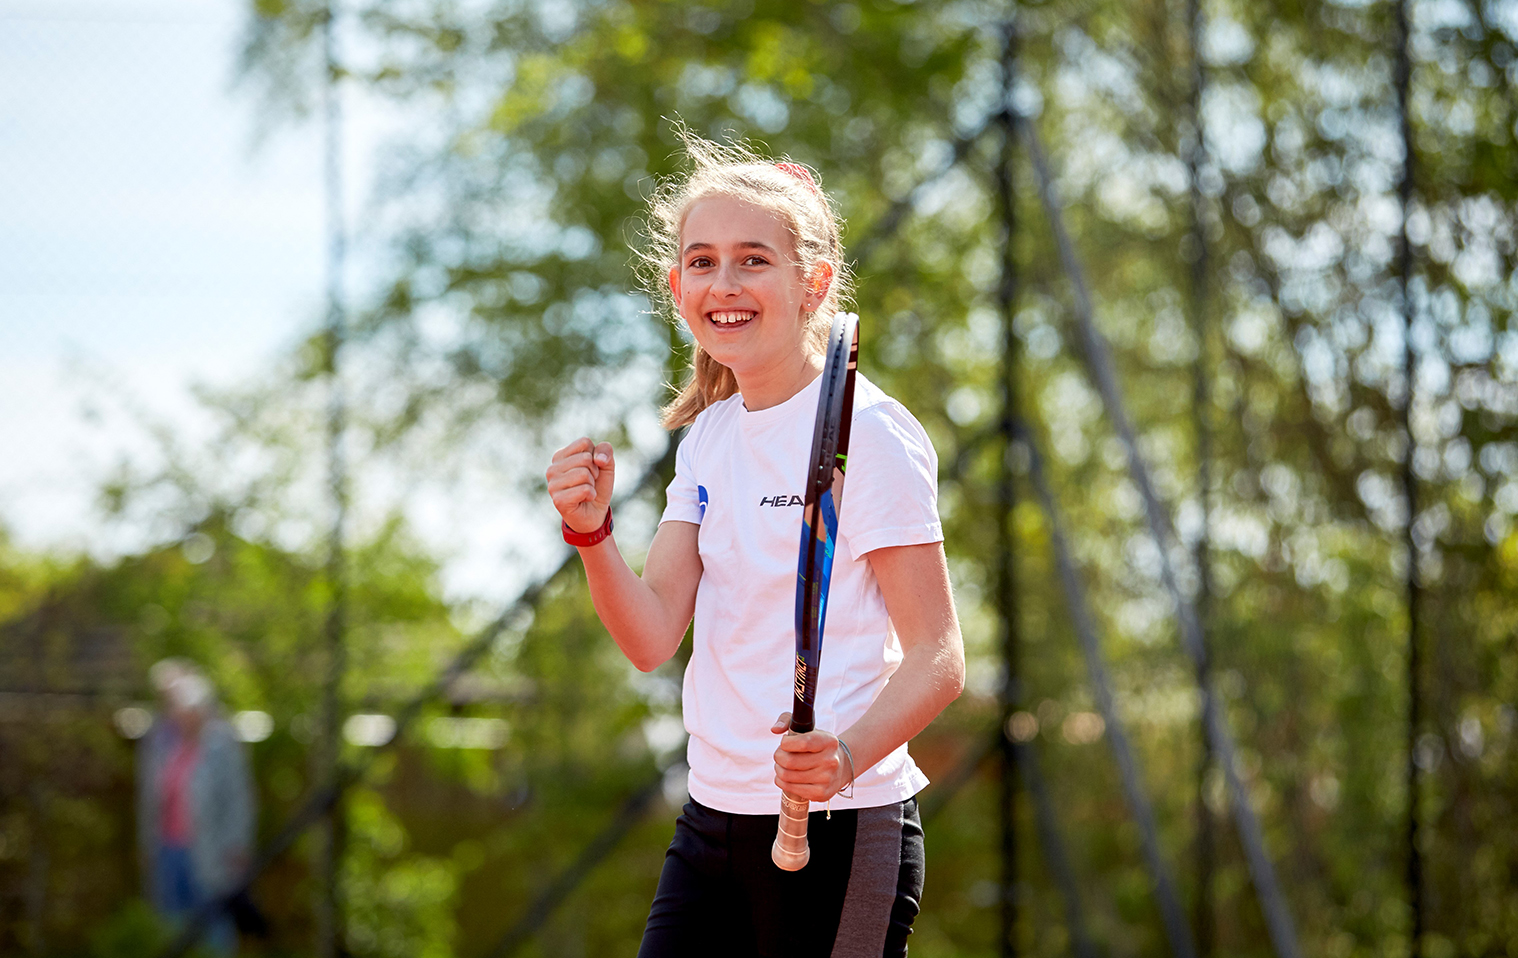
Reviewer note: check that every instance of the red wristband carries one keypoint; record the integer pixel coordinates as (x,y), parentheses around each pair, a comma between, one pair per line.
(583,539)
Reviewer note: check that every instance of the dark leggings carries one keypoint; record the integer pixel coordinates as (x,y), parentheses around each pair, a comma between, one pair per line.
(720,894)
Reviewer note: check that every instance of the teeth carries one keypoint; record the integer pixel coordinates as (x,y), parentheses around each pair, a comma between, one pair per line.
(728,317)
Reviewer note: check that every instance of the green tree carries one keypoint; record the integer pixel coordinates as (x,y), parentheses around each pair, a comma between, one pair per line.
(510,305)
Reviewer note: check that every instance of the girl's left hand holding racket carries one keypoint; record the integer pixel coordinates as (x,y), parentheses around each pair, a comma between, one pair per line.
(580,483)
(809,765)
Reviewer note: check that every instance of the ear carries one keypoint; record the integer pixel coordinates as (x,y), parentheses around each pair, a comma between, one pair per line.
(819,284)
(674,283)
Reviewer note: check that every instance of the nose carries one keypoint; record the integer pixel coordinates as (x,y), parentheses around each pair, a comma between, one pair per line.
(726,282)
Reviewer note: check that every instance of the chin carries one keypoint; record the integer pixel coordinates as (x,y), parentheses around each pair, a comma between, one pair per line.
(723,353)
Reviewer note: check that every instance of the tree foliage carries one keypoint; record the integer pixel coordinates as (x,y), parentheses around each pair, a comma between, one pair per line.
(534,133)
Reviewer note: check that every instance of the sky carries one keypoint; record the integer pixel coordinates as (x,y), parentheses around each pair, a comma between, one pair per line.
(146,242)
(150,240)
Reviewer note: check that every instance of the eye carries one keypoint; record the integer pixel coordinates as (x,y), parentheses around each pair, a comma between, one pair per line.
(700,262)
(754,259)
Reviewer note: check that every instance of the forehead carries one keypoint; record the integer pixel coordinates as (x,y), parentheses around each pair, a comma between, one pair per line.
(722,220)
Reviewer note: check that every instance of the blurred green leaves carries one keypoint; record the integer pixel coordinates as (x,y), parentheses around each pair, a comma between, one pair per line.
(510,204)
(555,126)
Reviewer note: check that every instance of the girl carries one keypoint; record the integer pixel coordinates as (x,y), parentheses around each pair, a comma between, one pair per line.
(749,259)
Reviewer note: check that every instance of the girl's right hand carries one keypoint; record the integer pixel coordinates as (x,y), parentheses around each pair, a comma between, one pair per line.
(580,483)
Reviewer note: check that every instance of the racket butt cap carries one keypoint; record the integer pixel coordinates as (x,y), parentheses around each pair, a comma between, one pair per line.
(791,851)
(788,860)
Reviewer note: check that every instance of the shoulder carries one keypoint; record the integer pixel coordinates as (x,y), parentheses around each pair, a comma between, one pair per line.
(892,477)
(882,422)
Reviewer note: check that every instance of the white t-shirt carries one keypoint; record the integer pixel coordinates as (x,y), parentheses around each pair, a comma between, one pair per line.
(739,475)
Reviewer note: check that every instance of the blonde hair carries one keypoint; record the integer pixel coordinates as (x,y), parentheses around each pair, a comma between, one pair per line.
(792,193)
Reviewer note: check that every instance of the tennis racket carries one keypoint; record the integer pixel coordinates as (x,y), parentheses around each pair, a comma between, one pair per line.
(819,533)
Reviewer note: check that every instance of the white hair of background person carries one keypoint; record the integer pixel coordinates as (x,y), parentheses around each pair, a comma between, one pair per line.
(166,672)
(192,692)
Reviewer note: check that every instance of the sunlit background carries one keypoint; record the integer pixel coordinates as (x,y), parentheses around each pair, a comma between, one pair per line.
(294,306)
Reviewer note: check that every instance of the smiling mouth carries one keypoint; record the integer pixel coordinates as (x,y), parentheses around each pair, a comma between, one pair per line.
(731,318)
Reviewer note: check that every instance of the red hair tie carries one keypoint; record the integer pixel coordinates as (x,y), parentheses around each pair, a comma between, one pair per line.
(800,172)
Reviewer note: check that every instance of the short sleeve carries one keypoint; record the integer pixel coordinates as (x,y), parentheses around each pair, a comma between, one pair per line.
(683,496)
(890,495)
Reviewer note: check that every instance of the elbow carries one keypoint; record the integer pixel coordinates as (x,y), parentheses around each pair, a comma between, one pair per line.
(955,685)
(644,660)
(940,665)
(954,672)
(650,657)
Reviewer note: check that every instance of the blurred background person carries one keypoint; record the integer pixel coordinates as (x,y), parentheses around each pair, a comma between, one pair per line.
(194,802)
(160,741)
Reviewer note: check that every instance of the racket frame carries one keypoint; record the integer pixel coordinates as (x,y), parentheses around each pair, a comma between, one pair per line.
(826,469)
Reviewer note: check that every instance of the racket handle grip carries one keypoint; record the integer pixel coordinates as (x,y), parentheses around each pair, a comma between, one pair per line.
(790,851)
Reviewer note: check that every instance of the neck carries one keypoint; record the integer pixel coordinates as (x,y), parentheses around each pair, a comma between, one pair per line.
(762,389)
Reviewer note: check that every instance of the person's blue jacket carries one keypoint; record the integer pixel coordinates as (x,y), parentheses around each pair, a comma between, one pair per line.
(221,803)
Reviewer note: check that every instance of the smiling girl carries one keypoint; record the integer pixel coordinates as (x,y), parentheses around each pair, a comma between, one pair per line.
(748,258)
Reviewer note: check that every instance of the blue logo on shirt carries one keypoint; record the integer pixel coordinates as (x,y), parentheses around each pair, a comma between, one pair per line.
(701,499)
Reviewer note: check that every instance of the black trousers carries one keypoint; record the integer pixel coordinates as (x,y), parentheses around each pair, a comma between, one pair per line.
(721,895)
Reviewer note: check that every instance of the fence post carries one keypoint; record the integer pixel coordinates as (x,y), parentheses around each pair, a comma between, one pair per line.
(1402,71)
(1006,499)
(327,851)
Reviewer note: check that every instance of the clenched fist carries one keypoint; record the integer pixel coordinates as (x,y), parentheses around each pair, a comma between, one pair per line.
(580,481)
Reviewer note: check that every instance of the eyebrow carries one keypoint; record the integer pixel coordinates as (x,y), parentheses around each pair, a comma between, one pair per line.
(747,244)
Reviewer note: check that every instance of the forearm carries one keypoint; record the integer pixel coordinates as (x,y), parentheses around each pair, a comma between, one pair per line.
(914,580)
(931,675)
(640,620)
(647,614)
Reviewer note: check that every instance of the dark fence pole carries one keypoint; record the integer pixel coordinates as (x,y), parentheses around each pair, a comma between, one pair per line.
(326,851)
(1414,878)
(1201,406)
(1006,498)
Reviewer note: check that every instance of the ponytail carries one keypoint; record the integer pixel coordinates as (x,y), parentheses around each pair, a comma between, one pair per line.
(709,382)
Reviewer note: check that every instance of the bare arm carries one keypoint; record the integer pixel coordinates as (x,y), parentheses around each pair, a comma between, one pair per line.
(646,615)
(914,581)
